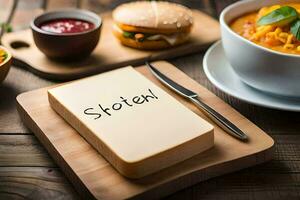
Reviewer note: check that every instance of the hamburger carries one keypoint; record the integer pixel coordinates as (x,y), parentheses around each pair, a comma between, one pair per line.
(152,25)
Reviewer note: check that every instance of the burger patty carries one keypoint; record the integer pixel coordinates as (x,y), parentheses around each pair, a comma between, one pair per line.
(140,37)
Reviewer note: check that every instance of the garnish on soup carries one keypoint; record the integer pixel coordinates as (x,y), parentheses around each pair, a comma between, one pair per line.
(279,17)
(67,26)
(3,56)
(276,27)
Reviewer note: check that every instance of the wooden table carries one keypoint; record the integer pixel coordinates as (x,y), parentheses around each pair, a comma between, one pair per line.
(27,171)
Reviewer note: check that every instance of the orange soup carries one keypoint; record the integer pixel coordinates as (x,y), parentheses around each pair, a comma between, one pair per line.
(276,27)
(3,56)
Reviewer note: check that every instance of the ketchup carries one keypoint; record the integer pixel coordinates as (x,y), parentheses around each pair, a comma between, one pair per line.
(67,25)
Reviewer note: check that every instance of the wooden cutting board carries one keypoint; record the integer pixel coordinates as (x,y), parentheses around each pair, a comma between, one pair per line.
(109,53)
(93,176)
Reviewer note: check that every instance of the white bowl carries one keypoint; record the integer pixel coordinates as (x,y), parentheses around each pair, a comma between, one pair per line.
(262,68)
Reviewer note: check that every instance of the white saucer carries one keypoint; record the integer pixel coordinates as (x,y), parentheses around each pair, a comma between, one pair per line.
(221,74)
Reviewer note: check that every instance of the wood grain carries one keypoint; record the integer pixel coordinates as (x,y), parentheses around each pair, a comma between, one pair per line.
(109,54)
(34,183)
(276,179)
(17,81)
(64,144)
(22,150)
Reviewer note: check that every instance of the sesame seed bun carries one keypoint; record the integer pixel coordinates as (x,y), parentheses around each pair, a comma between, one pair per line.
(153,17)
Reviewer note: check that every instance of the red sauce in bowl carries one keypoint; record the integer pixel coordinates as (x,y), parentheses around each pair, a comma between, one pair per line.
(67,25)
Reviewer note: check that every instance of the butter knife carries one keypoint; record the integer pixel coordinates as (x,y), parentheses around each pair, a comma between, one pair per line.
(224,123)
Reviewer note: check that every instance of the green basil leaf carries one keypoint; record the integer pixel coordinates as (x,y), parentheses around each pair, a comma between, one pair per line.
(128,34)
(295,29)
(7,27)
(279,17)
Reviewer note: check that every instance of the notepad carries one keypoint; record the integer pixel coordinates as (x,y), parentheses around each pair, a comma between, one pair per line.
(134,124)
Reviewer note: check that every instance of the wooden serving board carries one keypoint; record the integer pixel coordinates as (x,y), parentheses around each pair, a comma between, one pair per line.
(93,176)
(109,53)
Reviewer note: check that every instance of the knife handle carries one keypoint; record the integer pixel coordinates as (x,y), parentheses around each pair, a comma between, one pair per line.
(224,123)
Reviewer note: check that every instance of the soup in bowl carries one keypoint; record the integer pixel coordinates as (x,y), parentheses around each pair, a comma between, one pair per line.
(69,34)
(261,40)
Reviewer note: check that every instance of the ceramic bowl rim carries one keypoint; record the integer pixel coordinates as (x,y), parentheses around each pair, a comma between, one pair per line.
(224,24)
(98,19)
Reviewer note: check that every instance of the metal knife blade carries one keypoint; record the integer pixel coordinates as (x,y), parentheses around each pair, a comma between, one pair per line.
(193,97)
(171,84)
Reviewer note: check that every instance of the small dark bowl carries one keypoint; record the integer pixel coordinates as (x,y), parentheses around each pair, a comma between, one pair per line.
(66,45)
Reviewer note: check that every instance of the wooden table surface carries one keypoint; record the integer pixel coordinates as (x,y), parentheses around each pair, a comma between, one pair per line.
(28,172)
